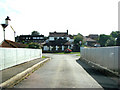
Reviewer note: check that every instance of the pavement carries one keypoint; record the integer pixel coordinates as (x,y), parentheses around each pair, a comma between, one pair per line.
(66,71)
(62,71)
(9,75)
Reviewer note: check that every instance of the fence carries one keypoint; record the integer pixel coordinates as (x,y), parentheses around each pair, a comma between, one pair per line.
(13,56)
(107,57)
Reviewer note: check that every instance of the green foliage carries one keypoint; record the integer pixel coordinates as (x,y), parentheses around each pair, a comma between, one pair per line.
(43,57)
(103,38)
(34,45)
(78,38)
(118,40)
(110,42)
(35,33)
(115,34)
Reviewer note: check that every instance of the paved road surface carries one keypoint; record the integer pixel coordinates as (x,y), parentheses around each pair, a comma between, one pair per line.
(62,71)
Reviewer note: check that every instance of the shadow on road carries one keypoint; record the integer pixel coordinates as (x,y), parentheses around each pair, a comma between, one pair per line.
(102,79)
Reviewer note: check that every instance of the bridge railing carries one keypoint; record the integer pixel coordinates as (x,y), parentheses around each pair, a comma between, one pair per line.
(108,57)
(13,56)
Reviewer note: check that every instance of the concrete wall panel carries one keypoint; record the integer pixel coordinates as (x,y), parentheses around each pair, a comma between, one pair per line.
(13,56)
(105,56)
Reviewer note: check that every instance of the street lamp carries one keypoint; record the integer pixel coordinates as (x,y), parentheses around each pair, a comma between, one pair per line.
(5,25)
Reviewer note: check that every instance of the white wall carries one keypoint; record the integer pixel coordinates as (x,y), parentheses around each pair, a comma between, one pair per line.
(104,56)
(57,48)
(14,56)
(71,40)
(62,48)
(46,48)
(68,38)
(1,34)
(9,34)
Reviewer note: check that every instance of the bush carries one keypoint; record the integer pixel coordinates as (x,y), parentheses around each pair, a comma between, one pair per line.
(110,42)
(34,45)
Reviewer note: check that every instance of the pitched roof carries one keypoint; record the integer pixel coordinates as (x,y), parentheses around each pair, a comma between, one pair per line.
(71,37)
(93,34)
(57,43)
(11,44)
(67,43)
(58,34)
(31,35)
(88,39)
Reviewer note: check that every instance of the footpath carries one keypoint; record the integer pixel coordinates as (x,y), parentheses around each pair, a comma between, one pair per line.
(15,74)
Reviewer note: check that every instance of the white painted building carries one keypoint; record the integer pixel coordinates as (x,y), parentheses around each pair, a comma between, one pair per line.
(59,41)
(9,34)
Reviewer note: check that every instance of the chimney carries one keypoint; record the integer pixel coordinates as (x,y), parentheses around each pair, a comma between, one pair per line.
(67,32)
(6,20)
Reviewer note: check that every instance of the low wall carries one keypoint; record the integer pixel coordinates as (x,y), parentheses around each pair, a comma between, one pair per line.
(13,56)
(107,57)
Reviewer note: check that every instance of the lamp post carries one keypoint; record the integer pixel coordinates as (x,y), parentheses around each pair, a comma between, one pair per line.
(5,25)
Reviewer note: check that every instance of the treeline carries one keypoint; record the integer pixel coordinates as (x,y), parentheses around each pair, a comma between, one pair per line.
(104,40)
(110,40)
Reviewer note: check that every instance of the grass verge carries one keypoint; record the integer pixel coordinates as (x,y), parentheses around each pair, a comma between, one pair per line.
(78,53)
(43,57)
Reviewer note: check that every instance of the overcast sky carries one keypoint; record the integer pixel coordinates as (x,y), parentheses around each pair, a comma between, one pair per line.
(78,16)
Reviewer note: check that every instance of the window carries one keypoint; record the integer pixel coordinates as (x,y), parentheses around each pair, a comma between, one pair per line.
(41,37)
(34,37)
(51,38)
(38,38)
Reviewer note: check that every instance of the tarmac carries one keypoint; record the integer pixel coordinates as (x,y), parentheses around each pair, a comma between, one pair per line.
(16,72)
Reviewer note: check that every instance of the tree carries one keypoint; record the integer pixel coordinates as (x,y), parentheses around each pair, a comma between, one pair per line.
(114,34)
(103,38)
(34,45)
(35,33)
(118,40)
(78,38)
(110,42)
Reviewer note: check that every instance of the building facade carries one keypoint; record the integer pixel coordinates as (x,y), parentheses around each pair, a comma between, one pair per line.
(6,32)
(58,42)
(30,38)
(89,42)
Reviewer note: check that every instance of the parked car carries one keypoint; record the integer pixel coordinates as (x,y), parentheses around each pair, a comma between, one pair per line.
(68,50)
